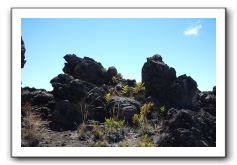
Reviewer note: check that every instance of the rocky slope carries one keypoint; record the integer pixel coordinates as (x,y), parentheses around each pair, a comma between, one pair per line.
(93,106)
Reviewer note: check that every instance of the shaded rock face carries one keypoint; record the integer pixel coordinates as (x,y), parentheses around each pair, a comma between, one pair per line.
(67,114)
(123,108)
(161,82)
(23,50)
(65,87)
(97,104)
(40,100)
(88,69)
(208,102)
(186,128)
(76,100)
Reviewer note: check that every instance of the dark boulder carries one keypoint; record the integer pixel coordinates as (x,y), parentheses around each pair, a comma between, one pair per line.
(157,77)
(161,83)
(112,71)
(23,50)
(130,82)
(123,108)
(186,128)
(67,115)
(86,69)
(65,87)
(208,102)
(97,104)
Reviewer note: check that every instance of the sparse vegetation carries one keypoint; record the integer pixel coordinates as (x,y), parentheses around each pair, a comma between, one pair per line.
(162,111)
(32,129)
(99,144)
(146,141)
(108,96)
(112,125)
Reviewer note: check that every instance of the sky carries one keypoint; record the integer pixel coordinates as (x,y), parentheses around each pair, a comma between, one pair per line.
(186,44)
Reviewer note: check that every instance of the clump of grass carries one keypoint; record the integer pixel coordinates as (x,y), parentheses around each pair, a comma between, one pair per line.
(98,133)
(112,125)
(32,130)
(81,132)
(84,108)
(125,90)
(145,141)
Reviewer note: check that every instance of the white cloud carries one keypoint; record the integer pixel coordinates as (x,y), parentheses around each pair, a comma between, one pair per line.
(193,30)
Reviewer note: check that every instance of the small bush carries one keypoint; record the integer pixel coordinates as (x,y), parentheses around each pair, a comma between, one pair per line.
(138,89)
(140,119)
(108,97)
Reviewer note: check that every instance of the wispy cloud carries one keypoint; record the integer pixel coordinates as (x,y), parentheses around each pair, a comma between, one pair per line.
(193,30)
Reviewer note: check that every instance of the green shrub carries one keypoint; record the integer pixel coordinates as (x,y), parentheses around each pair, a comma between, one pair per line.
(112,125)
(125,90)
(141,118)
(139,88)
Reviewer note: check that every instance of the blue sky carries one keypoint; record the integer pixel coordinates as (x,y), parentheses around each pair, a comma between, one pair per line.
(188,45)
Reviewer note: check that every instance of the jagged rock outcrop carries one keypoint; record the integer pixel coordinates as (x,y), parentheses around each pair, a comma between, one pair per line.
(66,87)
(88,69)
(186,128)
(23,50)
(123,108)
(161,82)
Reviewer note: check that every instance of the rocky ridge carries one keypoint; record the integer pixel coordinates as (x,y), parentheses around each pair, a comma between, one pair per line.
(93,106)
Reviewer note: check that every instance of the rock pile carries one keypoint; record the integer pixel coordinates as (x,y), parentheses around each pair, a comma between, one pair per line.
(186,128)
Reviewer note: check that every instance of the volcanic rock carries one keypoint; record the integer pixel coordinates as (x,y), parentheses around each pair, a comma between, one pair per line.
(65,87)
(97,104)
(208,102)
(40,100)
(186,128)
(67,115)
(23,50)
(161,82)
(123,108)
(86,69)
